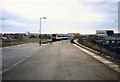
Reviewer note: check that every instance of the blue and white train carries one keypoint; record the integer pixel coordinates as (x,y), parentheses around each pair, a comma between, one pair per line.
(59,37)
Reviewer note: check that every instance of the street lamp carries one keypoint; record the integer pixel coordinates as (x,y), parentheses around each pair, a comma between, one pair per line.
(40,31)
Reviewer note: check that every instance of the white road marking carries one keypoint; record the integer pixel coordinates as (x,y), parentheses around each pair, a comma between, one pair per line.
(12,66)
(88,52)
(18,45)
(42,44)
(21,45)
(101,59)
(115,65)
(105,61)
(97,57)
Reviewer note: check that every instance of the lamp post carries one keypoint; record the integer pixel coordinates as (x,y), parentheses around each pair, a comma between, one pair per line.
(40,31)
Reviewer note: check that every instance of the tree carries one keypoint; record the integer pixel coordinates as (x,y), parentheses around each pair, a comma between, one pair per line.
(32,36)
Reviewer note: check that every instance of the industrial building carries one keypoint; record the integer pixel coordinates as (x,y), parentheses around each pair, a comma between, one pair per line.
(107,37)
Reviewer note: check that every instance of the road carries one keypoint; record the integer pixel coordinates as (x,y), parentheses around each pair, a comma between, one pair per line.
(54,61)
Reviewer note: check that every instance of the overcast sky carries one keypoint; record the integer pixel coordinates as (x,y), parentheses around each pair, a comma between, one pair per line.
(63,16)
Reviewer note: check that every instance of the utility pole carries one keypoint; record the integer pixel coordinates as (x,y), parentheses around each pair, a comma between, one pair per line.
(40,31)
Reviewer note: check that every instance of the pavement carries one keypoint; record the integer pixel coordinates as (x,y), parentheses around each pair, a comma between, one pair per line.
(107,60)
(59,60)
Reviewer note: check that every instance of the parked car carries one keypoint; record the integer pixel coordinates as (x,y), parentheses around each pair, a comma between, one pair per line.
(3,38)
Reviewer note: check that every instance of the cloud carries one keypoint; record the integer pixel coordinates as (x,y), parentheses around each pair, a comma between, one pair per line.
(54,10)
(99,0)
(70,15)
(13,22)
(12,25)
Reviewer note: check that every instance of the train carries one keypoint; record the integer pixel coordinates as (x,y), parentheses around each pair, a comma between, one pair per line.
(56,37)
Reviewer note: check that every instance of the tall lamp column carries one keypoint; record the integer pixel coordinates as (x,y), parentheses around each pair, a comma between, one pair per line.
(40,31)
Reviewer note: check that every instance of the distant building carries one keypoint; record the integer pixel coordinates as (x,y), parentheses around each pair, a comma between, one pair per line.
(73,34)
(107,37)
(104,32)
(27,33)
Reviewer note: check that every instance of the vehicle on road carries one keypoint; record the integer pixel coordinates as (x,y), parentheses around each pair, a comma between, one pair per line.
(59,37)
(4,38)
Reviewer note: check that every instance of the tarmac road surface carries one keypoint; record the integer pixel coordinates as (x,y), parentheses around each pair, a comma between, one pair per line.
(59,60)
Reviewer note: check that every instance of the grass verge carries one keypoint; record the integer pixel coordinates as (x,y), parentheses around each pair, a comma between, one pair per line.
(24,42)
(99,48)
